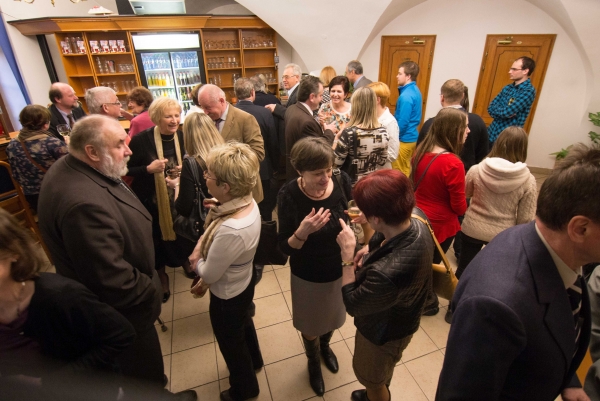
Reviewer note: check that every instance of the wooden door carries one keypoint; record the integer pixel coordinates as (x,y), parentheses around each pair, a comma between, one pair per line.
(499,54)
(397,49)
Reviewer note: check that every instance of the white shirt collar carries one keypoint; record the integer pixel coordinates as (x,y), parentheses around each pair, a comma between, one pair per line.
(566,273)
(307,107)
(293,88)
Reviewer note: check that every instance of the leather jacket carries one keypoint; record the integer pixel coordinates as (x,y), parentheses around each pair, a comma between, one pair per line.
(390,290)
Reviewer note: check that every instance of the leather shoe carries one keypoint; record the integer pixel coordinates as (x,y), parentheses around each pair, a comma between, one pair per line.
(225,396)
(186,395)
(431,311)
(258,272)
(166,296)
(448,317)
(252,309)
(359,395)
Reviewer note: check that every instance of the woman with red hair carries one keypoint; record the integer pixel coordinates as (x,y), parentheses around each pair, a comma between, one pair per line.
(387,295)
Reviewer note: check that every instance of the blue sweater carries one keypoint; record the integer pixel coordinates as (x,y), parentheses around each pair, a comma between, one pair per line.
(408,112)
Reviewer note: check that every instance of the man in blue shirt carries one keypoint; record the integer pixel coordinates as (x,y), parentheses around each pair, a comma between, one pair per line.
(408,114)
(511,106)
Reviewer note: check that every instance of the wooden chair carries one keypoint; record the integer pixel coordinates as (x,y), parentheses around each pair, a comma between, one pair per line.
(15,203)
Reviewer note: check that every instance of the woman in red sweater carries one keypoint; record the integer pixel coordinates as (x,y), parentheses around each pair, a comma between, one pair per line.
(438,177)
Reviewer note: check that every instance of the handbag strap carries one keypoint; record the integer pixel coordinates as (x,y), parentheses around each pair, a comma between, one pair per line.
(337,173)
(30,158)
(415,186)
(196,175)
(437,244)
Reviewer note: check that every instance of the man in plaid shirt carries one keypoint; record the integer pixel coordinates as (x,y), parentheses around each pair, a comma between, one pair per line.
(512,105)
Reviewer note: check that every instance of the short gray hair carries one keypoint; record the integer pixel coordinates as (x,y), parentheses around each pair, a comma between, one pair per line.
(89,131)
(96,97)
(296,68)
(213,91)
(259,84)
(243,88)
(355,66)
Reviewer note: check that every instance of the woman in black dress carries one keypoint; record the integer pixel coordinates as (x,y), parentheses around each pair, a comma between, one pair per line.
(158,151)
(309,209)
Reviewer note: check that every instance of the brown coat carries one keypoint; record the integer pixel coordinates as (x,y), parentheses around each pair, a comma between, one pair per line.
(299,123)
(242,127)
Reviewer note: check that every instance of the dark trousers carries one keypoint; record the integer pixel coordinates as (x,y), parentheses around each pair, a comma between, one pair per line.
(267,205)
(143,359)
(432,298)
(470,248)
(236,336)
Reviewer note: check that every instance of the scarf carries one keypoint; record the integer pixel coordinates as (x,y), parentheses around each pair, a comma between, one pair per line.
(216,216)
(165,219)
(29,134)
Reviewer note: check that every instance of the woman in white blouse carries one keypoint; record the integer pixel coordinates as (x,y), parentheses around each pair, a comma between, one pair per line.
(223,259)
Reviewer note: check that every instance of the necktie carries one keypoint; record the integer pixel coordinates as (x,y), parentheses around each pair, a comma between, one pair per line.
(217,122)
(71,120)
(574,292)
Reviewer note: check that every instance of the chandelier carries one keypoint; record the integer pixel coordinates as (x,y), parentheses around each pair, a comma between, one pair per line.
(51,1)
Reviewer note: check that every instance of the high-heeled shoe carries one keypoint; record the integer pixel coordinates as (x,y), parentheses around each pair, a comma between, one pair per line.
(166,296)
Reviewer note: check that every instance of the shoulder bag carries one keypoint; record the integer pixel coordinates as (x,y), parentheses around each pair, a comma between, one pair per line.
(444,279)
(268,251)
(192,226)
(412,172)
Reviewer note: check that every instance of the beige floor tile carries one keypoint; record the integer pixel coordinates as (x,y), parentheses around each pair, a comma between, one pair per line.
(315,398)
(283,276)
(181,282)
(436,328)
(193,367)
(208,392)
(167,363)
(279,341)
(443,350)
(404,387)
(186,305)
(350,344)
(267,286)
(337,336)
(426,372)
(443,302)
(277,267)
(288,379)
(345,375)
(342,393)
(268,268)
(165,338)
(265,392)
(222,369)
(348,330)
(192,331)
(420,345)
(166,311)
(271,310)
(288,300)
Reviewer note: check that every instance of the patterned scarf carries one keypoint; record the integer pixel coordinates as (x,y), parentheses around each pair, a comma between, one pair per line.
(162,195)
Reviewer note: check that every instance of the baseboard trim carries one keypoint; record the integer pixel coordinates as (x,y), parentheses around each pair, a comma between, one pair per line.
(539,170)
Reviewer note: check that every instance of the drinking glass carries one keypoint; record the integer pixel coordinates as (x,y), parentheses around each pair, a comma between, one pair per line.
(63,129)
(353,212)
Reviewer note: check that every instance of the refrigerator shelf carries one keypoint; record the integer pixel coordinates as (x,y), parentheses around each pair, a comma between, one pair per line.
(186,68)
(161,87)
(158,69)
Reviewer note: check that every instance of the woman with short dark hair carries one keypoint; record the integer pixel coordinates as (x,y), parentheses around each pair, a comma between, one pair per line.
(386,296)
(309,210)
(33,151)
(139,100)
(335,113)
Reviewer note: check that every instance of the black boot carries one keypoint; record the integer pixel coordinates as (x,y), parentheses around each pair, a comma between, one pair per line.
(327,353)
(314,366)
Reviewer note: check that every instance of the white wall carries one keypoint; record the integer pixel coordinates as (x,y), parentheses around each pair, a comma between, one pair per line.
(461,32)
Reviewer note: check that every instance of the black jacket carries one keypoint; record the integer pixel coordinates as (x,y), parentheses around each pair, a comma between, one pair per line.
(57,118)
(390,290)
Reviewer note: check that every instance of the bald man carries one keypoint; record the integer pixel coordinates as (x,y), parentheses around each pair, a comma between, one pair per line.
(65,108)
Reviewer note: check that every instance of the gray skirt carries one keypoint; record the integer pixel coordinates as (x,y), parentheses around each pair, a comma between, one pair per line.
(318,308)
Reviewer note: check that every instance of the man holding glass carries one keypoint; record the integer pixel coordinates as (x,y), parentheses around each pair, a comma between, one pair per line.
(65,108)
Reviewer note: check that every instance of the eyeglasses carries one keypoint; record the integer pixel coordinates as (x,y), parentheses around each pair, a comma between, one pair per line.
(114,104)
(208,177)
(288,76)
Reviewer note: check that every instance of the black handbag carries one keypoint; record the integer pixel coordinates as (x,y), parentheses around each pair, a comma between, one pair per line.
(192,226)
(268,251)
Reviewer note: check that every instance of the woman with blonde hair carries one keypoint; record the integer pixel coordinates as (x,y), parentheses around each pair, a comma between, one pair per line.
(223,259)
(362,147)
(382,91)
(503,194)
(159,151)
(199,136)
(438,177)
(327,74)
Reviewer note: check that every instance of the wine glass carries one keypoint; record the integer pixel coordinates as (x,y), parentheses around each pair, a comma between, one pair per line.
(63,129)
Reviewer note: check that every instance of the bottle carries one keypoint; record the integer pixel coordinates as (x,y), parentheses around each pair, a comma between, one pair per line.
(168,80)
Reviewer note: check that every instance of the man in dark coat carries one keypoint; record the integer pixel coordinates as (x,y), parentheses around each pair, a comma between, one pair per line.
(521,323)
(100,234)
(65,108)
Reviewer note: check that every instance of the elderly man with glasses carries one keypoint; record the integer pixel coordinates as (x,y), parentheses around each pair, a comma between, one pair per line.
(104,101)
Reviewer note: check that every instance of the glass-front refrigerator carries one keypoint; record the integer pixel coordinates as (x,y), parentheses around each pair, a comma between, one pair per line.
(169,64)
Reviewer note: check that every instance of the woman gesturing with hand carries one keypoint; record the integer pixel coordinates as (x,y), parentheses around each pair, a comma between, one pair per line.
(313,222)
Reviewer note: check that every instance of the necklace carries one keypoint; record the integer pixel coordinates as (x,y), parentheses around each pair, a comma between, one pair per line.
(303,188)
(168,140)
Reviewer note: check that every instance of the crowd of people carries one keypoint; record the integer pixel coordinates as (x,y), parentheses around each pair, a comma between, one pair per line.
(115,209)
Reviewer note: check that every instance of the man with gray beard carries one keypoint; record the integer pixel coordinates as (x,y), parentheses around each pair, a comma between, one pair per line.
(100,234)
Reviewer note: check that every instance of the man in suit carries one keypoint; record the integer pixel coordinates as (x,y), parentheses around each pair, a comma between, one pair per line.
(244,90)
(104,101)
(354,72)
(299,120)
(291,80)
(475,148)
(100,234)
(521,322)
(65,108)
(233,124)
